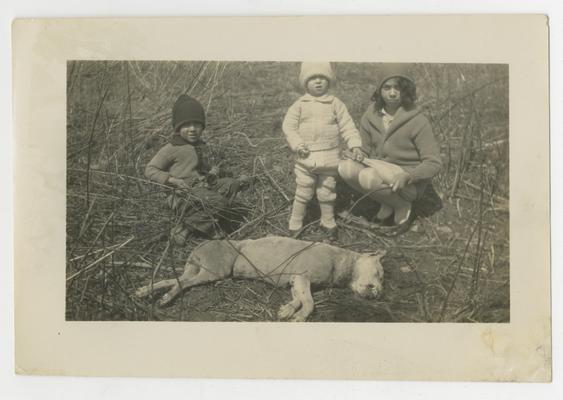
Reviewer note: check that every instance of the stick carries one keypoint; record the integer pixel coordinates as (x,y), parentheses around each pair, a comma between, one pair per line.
(83,270)
(258,219)
(90,141)
(495,196)
(275,185)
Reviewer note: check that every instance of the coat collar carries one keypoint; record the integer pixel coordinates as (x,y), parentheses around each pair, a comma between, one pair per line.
(400,117)
(325,98)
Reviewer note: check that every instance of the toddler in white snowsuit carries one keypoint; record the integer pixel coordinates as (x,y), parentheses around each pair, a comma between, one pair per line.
(314,127)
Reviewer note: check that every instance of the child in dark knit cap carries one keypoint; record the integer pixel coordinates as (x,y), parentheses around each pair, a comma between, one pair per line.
(183,164)
(402,155)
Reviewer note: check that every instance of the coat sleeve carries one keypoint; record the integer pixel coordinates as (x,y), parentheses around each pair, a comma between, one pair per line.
(158,168)
(427,147)
(290,126)
(346,125)
(365,133)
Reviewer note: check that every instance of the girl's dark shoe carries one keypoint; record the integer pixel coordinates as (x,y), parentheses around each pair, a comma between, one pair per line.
(402,214)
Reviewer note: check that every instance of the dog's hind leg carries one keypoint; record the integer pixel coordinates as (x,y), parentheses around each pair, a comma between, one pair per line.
(157,286)
(189,272)
(193,276)
(301,306)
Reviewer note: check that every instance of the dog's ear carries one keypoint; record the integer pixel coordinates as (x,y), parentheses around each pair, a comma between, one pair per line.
(379,253)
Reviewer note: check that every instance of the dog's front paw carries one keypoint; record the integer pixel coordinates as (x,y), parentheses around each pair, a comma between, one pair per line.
(286,311)
(164,300)
(298,317)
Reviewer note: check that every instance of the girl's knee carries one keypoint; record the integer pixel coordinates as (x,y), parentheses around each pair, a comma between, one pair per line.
(369,179)
(349,170)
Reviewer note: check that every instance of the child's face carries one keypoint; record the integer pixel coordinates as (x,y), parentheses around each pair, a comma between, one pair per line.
(391,93)
(317,85)
(191,131)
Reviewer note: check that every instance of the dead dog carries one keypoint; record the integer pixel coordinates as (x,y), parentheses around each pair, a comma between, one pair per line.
(280,261)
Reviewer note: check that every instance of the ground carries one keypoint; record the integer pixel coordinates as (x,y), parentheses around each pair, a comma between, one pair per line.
(451,265)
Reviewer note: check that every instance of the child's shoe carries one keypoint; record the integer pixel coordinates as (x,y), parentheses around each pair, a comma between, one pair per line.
(385,211)
(294,233)
(331,234)
(295,224)
(402,214)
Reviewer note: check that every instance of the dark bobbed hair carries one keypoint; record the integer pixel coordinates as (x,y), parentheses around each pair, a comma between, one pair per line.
(408,93)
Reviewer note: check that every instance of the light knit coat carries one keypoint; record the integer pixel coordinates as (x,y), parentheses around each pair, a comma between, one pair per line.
(320,123)
(408,142)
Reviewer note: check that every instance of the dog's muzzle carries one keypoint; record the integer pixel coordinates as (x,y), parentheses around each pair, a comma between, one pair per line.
(370,291)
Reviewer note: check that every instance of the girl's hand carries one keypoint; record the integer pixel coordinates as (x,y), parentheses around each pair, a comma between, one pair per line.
(357,154)
(303,151)
(400,181)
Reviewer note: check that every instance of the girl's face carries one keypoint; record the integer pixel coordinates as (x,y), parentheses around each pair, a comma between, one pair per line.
(391,93)
(191,131)
(317,85)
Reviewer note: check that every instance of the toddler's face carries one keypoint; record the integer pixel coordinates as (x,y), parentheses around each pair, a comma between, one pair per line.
(191,131)
(317,85)
(391,92)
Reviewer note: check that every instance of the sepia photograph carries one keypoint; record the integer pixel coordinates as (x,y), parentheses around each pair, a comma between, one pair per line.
(287,191)
(196,200)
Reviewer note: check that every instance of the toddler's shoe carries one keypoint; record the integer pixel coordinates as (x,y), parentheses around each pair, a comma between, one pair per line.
(294,233)
(331,234)
(295,224)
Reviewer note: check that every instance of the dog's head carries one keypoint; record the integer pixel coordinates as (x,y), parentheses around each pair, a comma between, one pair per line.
(367,275)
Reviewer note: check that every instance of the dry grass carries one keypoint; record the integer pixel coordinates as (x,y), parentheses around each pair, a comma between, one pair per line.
(452,265)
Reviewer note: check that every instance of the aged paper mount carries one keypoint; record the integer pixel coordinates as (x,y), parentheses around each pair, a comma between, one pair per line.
(47,344)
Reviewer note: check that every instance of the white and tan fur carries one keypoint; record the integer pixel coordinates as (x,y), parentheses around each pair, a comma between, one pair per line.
(280,261)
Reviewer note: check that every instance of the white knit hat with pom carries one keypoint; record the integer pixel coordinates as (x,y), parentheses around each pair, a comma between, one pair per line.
(310,69)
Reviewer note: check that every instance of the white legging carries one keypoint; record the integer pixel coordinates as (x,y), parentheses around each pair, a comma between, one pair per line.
(378,176)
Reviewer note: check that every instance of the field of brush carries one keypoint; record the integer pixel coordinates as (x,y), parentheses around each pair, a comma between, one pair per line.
(452,265)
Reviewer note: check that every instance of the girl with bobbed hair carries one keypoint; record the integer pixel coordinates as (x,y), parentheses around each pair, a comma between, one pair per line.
(401,153)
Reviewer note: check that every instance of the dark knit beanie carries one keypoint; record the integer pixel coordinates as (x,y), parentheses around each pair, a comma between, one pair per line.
(394,70)
(187,109)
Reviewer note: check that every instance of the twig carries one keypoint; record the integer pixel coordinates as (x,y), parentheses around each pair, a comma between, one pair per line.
(90,140)
(258,219)
(456,102)
(83,270)
(92,253)
(275,185)
(454,280)
(495,196)
(139,264)
(84,222)
(247,138)
(102,229)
